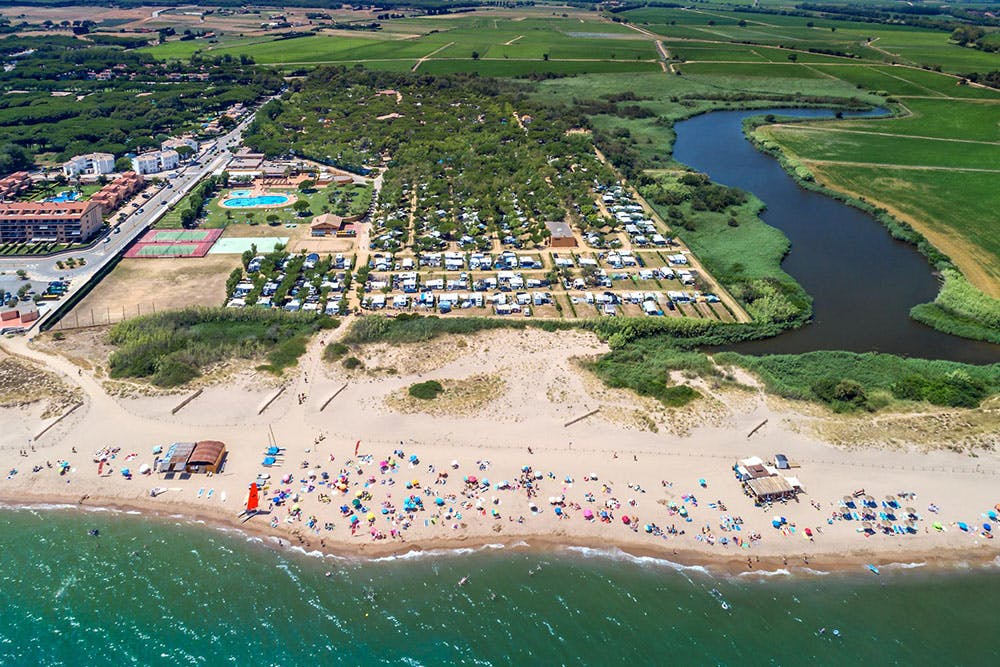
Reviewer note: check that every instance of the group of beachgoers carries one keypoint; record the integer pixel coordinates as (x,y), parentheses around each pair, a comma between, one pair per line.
(448,498)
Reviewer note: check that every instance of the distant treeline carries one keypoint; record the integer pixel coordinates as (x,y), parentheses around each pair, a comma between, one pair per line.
(430,6)
(142,100)
(991,79)
(924,16)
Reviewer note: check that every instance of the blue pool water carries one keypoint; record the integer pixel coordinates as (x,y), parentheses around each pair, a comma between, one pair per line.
(64,196)
(242,199)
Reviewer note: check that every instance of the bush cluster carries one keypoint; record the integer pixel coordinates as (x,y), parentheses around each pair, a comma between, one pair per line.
(172,348)
(426,391)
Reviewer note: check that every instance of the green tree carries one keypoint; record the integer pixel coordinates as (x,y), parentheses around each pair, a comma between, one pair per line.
(301,206)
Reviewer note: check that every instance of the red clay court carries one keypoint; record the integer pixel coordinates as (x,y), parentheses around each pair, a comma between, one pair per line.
(174,243)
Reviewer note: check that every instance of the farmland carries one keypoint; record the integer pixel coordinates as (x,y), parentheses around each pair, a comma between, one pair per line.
(472,179)
(501,46)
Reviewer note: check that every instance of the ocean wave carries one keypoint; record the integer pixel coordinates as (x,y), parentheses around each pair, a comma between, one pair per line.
(618,554)
(315,553)
(415,554)
(817,573)
(903,566)
(38,506)
(781,572)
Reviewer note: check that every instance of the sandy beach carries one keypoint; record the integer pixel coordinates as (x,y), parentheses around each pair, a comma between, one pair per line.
(422,475)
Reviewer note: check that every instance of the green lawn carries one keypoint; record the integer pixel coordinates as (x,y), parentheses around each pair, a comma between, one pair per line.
(723,247)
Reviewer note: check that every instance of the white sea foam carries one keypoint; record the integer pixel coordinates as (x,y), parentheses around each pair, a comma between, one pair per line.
(618,554)
(416,554)
(903,566)
(781,572)
(314,553)
(816,573)
(37,506)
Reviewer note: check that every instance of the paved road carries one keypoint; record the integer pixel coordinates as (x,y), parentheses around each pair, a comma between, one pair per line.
(213,158)
(160,200)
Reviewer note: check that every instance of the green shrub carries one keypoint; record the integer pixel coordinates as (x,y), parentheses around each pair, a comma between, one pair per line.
(168,346)
(678,395)
(172,373)
(957,389)
(426,391)
(841,395)
(335,351)
(848,380)
(350,363)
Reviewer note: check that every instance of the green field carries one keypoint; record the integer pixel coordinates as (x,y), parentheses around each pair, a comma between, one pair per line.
(521,67)
(449,44)
(820,143)
(935,118)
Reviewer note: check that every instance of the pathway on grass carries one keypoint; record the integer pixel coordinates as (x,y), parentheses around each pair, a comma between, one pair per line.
(437,50)
(912,83)
(911,167)
(801,128)
(511,42)
(664,55)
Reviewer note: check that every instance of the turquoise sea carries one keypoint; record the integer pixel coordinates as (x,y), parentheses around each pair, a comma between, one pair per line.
(163,592)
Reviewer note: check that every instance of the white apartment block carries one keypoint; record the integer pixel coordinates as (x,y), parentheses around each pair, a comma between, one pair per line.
(155,162)
(92,164)
(173,144)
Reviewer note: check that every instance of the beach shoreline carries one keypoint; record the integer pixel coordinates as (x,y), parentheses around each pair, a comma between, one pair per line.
(378,474)
(815,563)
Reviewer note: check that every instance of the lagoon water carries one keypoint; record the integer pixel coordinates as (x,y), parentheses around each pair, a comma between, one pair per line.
(863,282)
(155,592)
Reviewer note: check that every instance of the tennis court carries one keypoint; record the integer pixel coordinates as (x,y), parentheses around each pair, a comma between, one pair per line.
(173,235)
(167,250)
(174,243)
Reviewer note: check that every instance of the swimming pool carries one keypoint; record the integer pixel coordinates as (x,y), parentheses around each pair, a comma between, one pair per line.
(64,196)
(243,199)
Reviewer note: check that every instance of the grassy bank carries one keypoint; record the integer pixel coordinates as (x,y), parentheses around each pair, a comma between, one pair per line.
(172,348)
(846,381)
(961,310)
